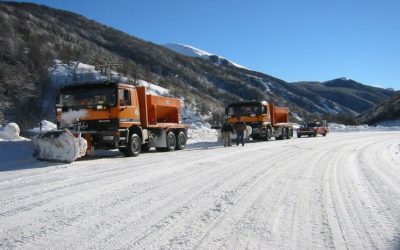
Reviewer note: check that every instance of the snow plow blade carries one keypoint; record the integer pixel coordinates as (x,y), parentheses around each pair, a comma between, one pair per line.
(60,145)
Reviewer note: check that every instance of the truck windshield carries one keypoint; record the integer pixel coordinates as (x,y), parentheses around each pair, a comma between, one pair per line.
(87,97)
(244,109)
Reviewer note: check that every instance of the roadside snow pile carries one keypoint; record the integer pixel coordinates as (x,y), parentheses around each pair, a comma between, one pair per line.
(11,133)
(46,126)
(60,146)
(199,131)
(202,132)
(334,127)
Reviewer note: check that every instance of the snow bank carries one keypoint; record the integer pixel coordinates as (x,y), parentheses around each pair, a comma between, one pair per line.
(62,146)
(10,133)
(334,127)
(202,132)
(46,126)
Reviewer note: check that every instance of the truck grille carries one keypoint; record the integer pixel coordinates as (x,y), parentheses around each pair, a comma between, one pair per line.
(100,125)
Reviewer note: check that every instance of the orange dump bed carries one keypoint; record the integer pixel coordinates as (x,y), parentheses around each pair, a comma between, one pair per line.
(155,110)
(162,109)
(279,114)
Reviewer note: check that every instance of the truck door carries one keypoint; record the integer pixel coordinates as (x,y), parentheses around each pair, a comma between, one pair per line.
(128,106)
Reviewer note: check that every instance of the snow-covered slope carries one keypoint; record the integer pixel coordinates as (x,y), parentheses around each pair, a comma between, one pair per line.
(191,51)
(77,72)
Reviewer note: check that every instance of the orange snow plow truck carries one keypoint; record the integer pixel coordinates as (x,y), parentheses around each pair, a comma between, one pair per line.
(265,119)
(111,115)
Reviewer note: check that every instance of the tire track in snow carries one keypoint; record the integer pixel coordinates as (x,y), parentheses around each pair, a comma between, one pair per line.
(72,216)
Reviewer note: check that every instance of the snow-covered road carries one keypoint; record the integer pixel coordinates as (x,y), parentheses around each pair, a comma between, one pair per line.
(340,191)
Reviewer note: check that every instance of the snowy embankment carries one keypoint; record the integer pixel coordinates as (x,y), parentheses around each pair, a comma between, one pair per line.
(340,191)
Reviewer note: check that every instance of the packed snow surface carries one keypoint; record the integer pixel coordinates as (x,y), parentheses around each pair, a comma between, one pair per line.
(340,191)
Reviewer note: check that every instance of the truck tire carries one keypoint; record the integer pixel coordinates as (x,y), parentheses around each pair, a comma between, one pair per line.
(171,141)
(181,141)
(287,133)
(315,134)
(134,146)
(282,135)
(298,135)
(324,134)
(267,135)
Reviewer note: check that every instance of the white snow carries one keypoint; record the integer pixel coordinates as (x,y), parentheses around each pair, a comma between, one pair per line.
(341,191)
(191,51)
(10,133)
(78,72)
(45,126)
(61,146)
(202,132)
(333,127)
(153,89)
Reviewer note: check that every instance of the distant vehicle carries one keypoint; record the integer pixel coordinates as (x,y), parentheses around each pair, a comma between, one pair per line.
(313,129)
(265,119)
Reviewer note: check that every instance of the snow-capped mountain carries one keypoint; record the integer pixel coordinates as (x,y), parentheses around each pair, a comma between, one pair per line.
(191,51)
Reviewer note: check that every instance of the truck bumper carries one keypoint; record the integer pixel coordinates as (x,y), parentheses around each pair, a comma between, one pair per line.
(104,139)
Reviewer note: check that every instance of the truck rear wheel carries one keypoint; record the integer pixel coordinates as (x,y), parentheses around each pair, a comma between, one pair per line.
(288,133)
(181,142)
(133,147)
(282,135)
(171,141)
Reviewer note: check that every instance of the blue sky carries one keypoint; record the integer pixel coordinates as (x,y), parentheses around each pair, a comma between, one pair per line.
(293,40)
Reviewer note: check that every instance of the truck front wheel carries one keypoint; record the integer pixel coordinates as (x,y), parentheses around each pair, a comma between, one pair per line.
(267,135)
(133,147)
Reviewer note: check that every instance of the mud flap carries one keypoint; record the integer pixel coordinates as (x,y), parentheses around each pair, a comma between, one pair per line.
(59,145)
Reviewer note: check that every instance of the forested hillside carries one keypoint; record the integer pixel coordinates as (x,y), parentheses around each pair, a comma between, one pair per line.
(32,37)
